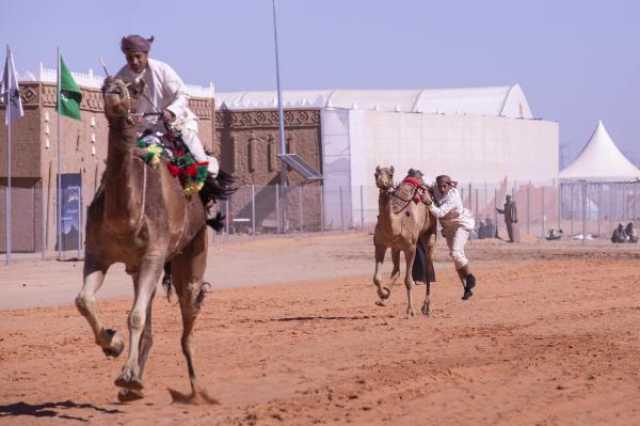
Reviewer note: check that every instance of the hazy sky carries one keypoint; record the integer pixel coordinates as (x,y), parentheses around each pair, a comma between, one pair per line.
(577,61)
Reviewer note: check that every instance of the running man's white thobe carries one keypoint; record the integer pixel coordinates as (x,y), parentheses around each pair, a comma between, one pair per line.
(457,223)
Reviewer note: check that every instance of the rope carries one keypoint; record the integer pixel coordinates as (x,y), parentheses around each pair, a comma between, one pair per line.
(144,197)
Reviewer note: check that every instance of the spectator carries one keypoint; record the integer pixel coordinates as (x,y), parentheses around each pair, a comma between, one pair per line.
(632,234)
(619,236)
(510,213)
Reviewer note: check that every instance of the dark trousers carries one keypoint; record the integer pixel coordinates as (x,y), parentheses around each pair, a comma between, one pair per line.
(421,266)
(512,230)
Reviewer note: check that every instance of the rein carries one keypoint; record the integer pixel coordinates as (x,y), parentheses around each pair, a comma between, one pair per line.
(416,196)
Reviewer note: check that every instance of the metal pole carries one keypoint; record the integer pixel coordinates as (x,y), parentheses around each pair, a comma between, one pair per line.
(279,228)
(361,207)
(559,198)
(543,212)
(599,208)
(341,211)
(253,210)
(322,208)
(610,208)
(59,132)
(226,216)
(300,209)
(283,145)
(584,212)
(572,208)
(477,203)
(80,215)
(529,208)
(44,208)
(8,209)
(495,207)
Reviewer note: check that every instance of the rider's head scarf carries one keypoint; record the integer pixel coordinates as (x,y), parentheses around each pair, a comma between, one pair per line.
(135,43)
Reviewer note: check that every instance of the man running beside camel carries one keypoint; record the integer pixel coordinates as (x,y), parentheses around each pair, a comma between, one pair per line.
(457,223)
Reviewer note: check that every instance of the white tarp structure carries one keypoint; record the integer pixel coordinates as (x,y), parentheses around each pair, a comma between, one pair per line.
(503,101)
(600,160)
(479,135)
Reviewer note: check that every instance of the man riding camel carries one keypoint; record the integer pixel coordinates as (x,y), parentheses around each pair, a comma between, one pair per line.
(457,224)
(164,93)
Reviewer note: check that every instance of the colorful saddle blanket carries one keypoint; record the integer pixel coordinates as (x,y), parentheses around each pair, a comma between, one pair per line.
(156,146)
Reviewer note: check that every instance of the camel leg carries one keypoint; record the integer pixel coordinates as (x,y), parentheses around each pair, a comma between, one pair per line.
(146,341)
(410,255)
(383,292)
(145,286)
(111,342)
(188,273)
(395,258)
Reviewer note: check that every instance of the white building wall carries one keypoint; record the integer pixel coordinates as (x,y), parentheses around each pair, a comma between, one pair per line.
(336,167)
(477,149)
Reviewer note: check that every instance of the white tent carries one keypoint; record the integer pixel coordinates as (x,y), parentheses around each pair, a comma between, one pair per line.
(600,160)
(504,101)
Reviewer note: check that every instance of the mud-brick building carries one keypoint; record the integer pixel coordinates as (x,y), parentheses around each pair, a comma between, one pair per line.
(83,146)
(249,141)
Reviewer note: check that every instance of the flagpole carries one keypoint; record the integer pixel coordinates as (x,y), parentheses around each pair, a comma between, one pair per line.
(8,209)
(59,185)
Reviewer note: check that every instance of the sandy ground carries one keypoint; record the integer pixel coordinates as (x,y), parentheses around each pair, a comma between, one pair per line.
(550,338)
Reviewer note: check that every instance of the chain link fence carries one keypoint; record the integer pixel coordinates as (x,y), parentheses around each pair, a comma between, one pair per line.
(583,210)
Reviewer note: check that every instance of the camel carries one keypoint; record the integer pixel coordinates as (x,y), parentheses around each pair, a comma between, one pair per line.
(142,218)
(403,222)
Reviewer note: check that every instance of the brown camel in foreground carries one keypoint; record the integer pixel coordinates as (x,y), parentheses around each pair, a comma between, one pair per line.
(141,218)
(403,222)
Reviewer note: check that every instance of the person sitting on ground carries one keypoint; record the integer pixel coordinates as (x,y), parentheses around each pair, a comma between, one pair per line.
(632,234)
(457,223)
(553,235)
(619,236)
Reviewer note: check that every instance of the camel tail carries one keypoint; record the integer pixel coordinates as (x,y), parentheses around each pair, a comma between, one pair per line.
(217,222)
(219,188)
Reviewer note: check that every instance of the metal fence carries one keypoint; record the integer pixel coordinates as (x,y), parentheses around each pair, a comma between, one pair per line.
(581,209)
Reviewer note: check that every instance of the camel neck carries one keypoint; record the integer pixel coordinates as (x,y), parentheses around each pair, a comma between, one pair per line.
(121,182)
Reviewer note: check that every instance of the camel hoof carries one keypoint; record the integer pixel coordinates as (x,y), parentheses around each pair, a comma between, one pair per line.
(411,313)
(128,395)
(384,293)
(112,343)
(380,303)
(426,311)
(128,380)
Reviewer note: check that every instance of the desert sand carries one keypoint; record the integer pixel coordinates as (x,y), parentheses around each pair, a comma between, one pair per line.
(290,335)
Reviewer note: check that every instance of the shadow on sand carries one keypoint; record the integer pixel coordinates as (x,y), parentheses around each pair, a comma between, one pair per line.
(50,409)
(333,318)
(200,397)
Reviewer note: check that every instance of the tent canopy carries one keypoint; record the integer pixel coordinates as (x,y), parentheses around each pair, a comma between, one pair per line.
(504,101)
(600,160)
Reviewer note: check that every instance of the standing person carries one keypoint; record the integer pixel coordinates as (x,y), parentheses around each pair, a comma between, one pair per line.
(510,213)
(457,224)
(165,93)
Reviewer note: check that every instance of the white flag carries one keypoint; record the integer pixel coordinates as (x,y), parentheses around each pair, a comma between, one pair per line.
(11,91)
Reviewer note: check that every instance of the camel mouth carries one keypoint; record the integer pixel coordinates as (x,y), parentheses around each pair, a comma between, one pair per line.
(117,98)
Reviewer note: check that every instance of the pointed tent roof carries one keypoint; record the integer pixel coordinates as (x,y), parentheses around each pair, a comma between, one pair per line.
(600,159)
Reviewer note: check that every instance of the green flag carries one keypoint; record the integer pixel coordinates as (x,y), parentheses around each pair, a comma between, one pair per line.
(70,95)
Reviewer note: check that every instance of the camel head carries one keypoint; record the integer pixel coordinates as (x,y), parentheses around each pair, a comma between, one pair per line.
(119,97)
(384,177)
